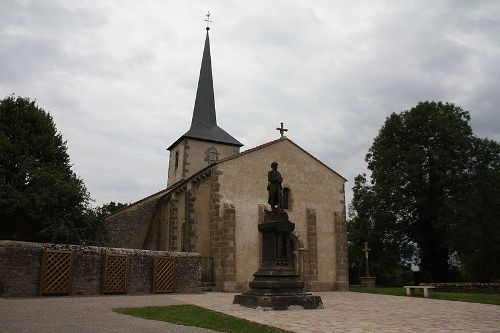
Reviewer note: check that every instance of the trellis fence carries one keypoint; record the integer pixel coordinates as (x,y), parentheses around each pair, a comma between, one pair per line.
(30,269)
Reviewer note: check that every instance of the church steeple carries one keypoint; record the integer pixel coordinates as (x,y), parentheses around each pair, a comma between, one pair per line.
(204,122)
(204,105)
(205,142)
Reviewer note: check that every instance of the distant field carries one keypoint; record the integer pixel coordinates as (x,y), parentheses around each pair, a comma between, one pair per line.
(449,296)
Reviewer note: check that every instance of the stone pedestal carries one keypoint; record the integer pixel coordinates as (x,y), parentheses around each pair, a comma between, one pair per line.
(275,285)
(368,281)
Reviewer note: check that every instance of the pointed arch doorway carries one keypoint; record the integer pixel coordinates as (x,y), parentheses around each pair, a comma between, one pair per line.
(298,253)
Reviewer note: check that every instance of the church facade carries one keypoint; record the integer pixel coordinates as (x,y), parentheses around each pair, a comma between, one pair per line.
(216,197)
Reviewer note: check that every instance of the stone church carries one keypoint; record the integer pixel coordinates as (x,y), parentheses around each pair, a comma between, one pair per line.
(216,196)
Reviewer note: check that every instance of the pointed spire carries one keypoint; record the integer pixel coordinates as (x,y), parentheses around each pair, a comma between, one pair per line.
(204,105)
(204,123)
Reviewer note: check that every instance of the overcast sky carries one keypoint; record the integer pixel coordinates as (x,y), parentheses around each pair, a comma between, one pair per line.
(120,77)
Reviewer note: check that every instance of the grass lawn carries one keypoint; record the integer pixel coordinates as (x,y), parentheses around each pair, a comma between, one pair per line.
(449,296)
(191,315)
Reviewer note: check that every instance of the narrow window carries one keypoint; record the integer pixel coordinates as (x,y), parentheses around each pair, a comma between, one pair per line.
(286,198)
(184,237)
(176,160)
(212,155)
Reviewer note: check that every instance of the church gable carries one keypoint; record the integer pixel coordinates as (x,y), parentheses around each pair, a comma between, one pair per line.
(298,167)
(316,198)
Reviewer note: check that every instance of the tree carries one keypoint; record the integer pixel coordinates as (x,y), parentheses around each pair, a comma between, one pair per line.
(41,198)
(476,223)
(95,217)
(428,177)
(370,222)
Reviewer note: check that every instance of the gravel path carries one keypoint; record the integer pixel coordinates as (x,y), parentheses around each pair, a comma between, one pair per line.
(84,314)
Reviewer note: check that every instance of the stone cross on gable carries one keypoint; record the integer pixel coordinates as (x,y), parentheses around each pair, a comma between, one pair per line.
(282,130)
(366,250)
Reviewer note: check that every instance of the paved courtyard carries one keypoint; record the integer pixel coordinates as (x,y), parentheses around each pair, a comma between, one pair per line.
(343,312)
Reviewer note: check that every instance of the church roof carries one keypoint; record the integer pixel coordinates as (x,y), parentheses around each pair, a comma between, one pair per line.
(204,123)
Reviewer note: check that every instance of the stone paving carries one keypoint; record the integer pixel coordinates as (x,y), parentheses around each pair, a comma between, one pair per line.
(343,312)
(357,312)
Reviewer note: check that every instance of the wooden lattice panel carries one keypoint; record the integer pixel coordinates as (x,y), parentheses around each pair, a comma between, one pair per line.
(115,270)
(164,274)
(56,275)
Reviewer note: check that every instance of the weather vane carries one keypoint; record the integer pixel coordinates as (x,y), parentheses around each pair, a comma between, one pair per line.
(208,20)
(282,130)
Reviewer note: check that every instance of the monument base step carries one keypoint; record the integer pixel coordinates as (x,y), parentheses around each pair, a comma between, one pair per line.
(279,302)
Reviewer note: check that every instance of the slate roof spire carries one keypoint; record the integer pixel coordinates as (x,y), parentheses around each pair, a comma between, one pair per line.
(204,123)
(204,105)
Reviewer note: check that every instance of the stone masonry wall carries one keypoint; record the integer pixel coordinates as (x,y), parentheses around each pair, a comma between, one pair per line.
(128,228)
(311,272)
(229,250)
(341,264)
(20,264)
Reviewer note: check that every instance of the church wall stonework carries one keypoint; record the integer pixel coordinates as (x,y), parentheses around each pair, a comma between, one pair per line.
(175,174)
(198,154)
(202,217)
(128,228)
(311,261)
(193,156)
(341,251)
(173,225)
(243,183)
(181,219)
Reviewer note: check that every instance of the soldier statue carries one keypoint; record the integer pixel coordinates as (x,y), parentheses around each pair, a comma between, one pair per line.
(274,188)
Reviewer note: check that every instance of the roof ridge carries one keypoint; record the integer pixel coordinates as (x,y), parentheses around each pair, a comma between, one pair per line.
(284,138)
(166,190)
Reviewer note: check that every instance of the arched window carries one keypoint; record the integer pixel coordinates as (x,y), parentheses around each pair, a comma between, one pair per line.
(212,155)
(286,198)
(176,160)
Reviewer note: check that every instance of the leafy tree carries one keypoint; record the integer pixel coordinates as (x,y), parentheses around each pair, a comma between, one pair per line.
(41,198)
(110,208)
(430,178)
(96,221)
(368,222)
(476,223)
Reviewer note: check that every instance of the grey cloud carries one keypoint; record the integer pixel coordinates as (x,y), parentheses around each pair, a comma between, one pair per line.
(120,78)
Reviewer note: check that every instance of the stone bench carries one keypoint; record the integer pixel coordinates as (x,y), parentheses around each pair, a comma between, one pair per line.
(410,290)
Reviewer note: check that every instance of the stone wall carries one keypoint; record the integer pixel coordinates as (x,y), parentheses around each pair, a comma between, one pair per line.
(311,273)
(342,282)
(128,228)
(471,287)
(20,264)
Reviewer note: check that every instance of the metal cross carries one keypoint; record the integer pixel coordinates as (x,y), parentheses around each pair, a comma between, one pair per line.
(366,250)
(208,20)
(282,130)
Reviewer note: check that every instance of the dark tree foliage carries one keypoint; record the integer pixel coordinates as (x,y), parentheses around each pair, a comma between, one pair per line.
(41,198)
(110,208)
(369,223)
(434,188)
(475,227)
(96,221)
